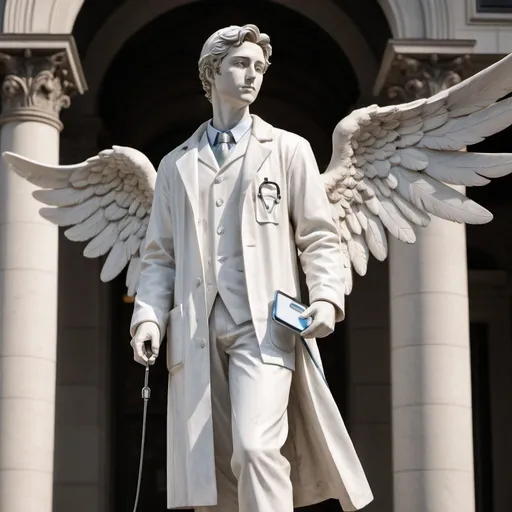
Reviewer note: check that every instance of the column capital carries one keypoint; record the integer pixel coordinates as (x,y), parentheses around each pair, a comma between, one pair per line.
(414,69)
(39,74)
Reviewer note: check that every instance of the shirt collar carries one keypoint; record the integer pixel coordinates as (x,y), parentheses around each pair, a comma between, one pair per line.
(238,131)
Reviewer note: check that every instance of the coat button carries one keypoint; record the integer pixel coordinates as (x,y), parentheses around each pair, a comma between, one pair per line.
(219,202)
(218,179)
(202,343)
(199,281)
(220,231)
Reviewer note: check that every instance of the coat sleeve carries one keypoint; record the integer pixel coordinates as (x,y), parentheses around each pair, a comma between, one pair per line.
(316,236)
(156,283)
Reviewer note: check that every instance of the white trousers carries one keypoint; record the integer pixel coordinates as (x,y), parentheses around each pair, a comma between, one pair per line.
(250,421)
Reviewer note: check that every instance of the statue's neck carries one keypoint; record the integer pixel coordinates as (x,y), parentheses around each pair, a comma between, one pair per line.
(226,116)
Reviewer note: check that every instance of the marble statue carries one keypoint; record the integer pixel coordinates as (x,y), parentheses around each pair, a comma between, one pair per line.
(232,215)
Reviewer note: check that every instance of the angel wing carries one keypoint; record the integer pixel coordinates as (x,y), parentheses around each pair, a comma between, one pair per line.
(390,165)
(106,199)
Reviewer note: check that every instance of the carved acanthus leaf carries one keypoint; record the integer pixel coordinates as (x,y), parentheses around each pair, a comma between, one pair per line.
(411,79)
(35,81)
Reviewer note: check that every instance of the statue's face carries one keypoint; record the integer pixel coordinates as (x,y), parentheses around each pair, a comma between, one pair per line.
(240,75)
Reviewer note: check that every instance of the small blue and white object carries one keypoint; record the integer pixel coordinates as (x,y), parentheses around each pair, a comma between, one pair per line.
(287,311)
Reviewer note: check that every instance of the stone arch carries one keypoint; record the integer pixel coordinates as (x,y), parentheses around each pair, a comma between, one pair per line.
(40,16)
(437,18)
(416,19)
(405,21)
(58,16)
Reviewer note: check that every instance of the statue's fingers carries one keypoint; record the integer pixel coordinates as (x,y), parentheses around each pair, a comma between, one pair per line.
(140,353)
(138,359)
(309,331)
(155,346)
(309,312)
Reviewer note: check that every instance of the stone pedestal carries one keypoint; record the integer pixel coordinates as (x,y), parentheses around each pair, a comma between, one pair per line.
(38,77)
(430,360)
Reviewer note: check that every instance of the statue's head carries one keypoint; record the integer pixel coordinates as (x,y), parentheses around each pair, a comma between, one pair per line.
(232,63)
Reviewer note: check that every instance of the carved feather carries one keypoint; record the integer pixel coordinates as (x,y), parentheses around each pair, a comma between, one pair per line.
(115,262)
(375,237)
(358,252)
(63,196)
(440,200)
(87,229)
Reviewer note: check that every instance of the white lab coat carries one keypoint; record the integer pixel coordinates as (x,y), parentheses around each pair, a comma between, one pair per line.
(323,460)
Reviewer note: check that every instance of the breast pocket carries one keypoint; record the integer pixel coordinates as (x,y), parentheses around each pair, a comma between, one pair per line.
(175,347)
(268,202)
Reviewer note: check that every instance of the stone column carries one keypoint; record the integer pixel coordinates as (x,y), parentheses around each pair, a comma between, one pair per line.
(430,360)
(37,79)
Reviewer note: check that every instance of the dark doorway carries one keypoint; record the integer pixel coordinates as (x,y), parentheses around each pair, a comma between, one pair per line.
(482,428)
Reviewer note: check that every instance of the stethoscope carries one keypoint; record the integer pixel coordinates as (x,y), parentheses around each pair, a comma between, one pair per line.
(266,182)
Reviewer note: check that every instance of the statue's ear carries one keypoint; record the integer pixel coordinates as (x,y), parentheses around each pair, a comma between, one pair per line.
(209,74)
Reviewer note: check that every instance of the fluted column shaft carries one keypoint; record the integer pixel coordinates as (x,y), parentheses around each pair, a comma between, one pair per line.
(430,360)
(431,375)
(34,89)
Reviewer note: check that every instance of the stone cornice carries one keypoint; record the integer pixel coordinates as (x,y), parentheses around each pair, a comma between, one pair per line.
(417,68)
(39,74)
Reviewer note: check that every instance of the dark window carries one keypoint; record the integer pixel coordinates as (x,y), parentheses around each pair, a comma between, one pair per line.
(494,6)
(482,436)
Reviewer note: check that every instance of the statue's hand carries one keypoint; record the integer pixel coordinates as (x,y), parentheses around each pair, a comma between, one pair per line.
(324,318)
(146,331)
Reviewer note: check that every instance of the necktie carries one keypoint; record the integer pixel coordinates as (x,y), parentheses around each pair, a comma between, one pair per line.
(222,146)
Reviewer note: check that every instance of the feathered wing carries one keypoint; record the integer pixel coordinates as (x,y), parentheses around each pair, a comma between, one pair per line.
(106,200)
(391,166)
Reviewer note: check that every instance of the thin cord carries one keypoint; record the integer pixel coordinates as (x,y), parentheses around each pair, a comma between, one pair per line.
(308,349)
(146,394)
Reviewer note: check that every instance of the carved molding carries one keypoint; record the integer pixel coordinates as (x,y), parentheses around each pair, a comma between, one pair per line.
(437,17)
(34,82)
(411,78)
(38,75)
(413,69)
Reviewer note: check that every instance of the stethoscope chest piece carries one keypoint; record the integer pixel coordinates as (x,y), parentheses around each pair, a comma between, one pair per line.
(267,183)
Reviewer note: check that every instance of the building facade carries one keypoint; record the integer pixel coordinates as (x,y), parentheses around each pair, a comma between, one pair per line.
(421,368)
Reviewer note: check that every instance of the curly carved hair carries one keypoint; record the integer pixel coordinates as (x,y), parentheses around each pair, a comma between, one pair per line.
(218,45)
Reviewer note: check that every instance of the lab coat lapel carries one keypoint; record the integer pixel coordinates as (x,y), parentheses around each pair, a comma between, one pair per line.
(258,150)
(205,153)
(187,167)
